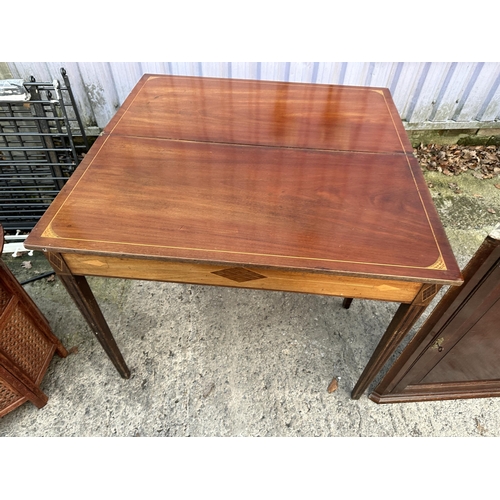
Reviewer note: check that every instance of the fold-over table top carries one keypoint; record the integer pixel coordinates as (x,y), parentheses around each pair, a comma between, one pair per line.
(317,178)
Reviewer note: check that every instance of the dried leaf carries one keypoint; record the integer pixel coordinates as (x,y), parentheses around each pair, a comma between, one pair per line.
(469,155)
(27,264)
(491,211)
(333,386)
(52,277)
(477,175)
(497,186)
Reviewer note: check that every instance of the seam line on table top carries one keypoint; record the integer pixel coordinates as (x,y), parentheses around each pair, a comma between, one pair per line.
(269,146)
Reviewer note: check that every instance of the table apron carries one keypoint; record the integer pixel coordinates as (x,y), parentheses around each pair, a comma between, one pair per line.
(243,277)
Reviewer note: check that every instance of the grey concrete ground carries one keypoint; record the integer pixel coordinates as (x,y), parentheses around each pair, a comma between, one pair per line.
(209,361)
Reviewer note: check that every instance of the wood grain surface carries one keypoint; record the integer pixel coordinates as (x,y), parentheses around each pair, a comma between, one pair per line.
(238,277)
(311,178)
(264,113)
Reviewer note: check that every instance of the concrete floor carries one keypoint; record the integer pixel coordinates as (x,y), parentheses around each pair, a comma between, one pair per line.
(210,361)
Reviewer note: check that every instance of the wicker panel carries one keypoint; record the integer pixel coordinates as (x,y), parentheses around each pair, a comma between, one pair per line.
(5,296)
(27,347)
(7,396)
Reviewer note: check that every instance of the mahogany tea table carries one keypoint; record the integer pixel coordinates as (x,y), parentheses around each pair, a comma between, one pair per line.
(253,184)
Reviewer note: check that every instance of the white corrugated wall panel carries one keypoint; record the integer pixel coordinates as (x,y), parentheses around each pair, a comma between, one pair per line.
(457,79)
(426,99)
(187,69)
(37,69)
(477,89)
(492,105)
(301,72)
(125,76)
(356,74)
(404,85)
(101,89)
(381,74)
(215,69)
(275,71)
(326,72)
(155,67)
(247,71)
(427,95)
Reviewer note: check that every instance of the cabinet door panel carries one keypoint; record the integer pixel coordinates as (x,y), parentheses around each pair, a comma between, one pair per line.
(456,353)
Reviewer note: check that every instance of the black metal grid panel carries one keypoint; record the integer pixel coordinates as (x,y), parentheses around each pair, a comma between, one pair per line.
(42,141)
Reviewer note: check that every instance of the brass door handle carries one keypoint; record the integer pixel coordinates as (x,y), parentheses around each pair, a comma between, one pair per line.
(438,344)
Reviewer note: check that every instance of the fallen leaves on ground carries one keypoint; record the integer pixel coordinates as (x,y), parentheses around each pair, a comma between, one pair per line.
(482,161)
(27,264)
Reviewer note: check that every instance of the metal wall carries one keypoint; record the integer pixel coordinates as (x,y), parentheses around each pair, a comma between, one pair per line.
(428,95)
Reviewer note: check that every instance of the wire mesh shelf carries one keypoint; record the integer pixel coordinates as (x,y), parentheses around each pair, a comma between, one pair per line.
(42,141)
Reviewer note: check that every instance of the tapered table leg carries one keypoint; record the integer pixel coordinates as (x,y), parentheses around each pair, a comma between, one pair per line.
(80,292)
(401,324)
(346,303)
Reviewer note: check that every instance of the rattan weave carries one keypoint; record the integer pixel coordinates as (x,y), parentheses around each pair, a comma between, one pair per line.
(24,344)
(7,396)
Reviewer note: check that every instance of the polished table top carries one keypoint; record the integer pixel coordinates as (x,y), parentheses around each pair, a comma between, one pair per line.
(316,178)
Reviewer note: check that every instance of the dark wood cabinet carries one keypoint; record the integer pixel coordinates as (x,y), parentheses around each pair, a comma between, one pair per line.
(456,353)
(27,344)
